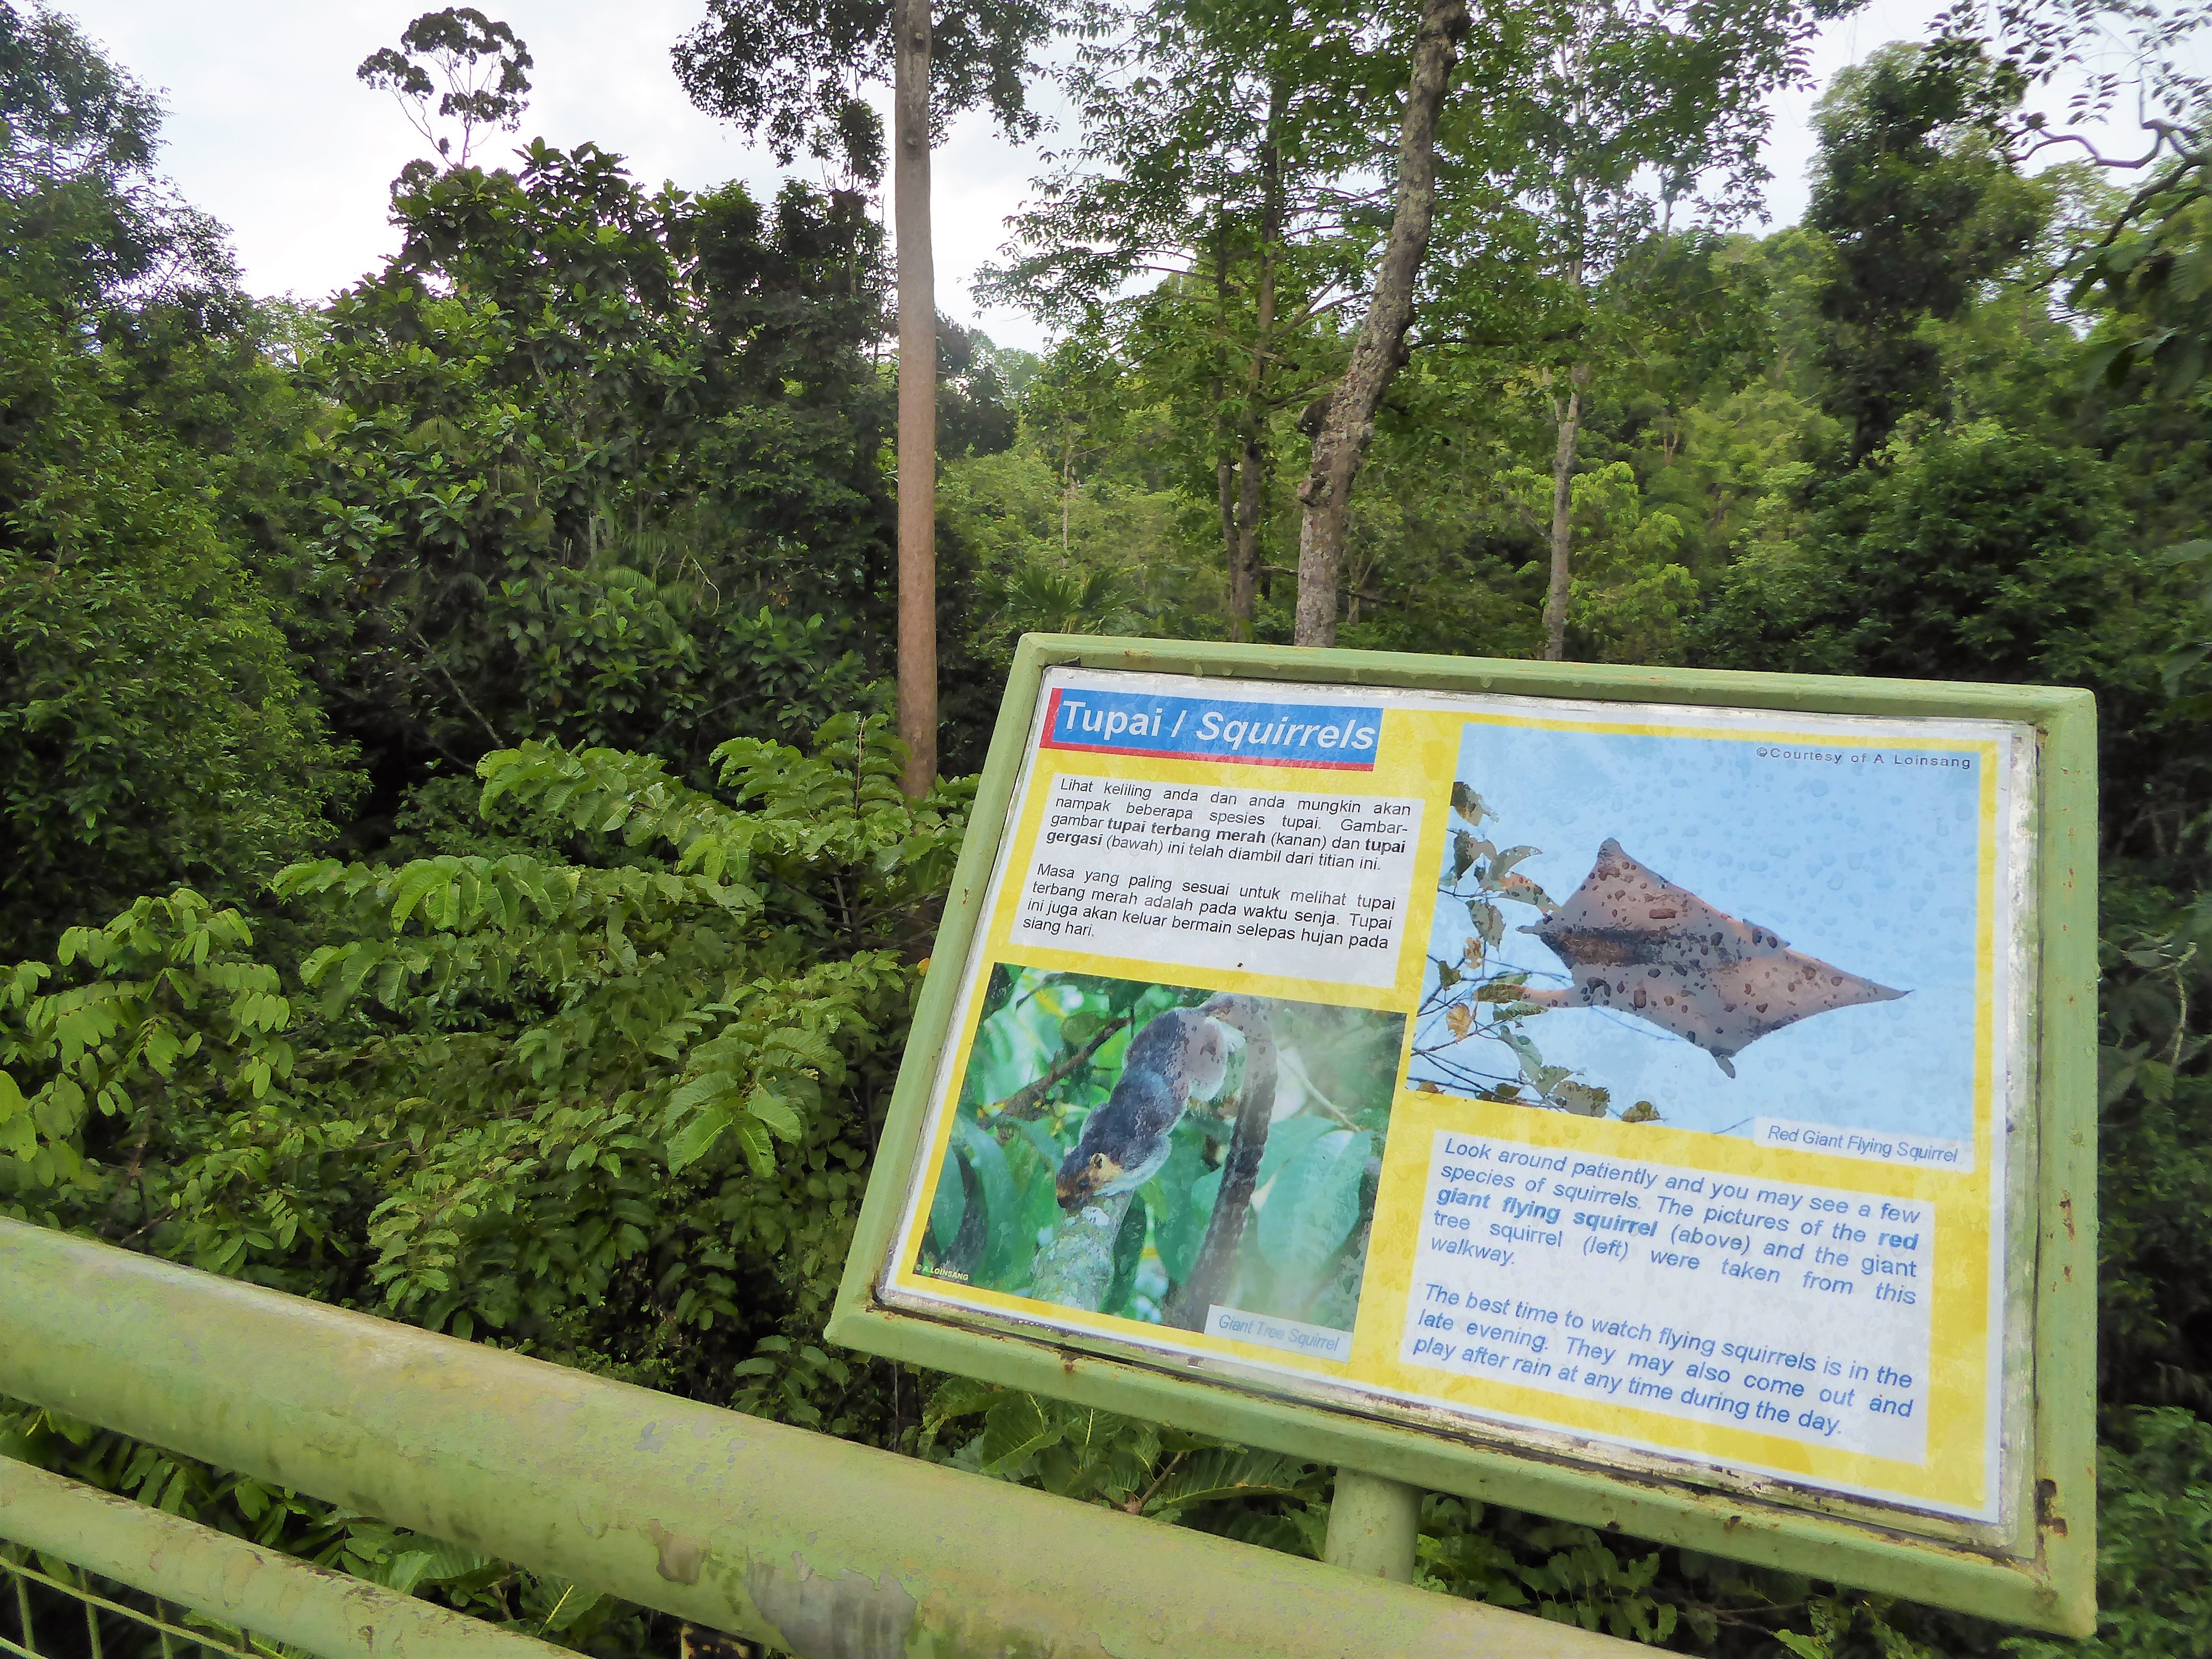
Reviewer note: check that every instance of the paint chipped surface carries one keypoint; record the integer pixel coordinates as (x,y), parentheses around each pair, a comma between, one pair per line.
(824,1615)
(680,1557)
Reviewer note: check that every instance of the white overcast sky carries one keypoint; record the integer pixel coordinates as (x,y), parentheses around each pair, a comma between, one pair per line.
(268,131)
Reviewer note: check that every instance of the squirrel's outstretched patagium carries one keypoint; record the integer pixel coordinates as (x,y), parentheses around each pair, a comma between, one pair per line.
(1638,944)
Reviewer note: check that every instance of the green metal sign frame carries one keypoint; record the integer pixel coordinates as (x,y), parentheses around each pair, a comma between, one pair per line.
(2040,1574)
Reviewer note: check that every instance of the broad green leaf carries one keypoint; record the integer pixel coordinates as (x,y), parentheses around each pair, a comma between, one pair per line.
(782,1122)
(1015,1429)
(697,1137)
(1008,1250)
(1128,1252)
(949,1204)
(1178,1219)
(1290,1138)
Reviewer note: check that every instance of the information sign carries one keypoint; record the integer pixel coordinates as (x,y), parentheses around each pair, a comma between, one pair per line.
(1660,1086)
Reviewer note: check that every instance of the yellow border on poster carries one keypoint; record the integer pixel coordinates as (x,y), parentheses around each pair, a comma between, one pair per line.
(2035,1567)
(1419,748)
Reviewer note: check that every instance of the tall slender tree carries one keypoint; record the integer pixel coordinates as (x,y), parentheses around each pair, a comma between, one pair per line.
(1349,425)
(796,71)
(1241,163)
(1210,217)
(1637,111)
(482,62)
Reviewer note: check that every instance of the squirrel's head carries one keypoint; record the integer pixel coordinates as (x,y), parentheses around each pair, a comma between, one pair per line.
(1083,1176)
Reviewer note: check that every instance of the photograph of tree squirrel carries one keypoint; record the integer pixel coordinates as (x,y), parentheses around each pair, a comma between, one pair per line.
(1154,1152)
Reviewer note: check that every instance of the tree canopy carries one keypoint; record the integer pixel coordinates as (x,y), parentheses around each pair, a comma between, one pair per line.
(459,863)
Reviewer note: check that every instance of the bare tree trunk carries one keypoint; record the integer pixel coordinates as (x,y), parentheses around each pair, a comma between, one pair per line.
(1224,475)
(1563,522)
(1349,427)
(917,400)
(1213,1274)
(1239,616)
(1244,570)
(1252,462)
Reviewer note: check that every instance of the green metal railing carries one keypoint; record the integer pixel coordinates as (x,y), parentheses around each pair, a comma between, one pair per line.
(41,1586)
(67,1588)
(96,1574)
(810,1545)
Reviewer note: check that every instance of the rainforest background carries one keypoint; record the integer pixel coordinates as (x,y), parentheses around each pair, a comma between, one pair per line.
(455,864)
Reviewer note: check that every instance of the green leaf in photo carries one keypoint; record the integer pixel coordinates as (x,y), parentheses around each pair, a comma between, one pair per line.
(1289,1139)
(1179,1216)
(949,1205)
(1128,1254)
(1315,1203)
(1005,1252)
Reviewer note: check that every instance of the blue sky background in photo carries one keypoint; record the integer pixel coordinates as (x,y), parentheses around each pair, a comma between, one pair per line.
(1867,865)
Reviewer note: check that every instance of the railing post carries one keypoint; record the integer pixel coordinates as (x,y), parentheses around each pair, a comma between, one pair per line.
(1373,1526)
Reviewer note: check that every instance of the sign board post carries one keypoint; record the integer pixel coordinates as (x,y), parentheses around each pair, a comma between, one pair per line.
(1660,1099)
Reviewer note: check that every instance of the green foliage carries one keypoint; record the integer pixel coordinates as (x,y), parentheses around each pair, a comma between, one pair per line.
(1631,598)
(508,1087)
(585,436)
(1141,1468)
(1570,1574)
(1976,546)
(1918,208)
(2154,1543)
(154,724)
(2153,274)
(616,1115)
(2155,1150)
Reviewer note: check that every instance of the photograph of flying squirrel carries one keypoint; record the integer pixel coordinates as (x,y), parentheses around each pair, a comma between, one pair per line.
(1636,942)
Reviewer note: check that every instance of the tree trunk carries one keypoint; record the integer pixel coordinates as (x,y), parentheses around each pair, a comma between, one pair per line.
(1224,470)
(1244,562)
(1225,478)
(1213,1274)
(917,400)
(1252,459)
(1349,426)
(1563,522)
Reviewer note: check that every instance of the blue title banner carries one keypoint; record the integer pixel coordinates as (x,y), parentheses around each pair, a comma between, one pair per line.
(1214,729)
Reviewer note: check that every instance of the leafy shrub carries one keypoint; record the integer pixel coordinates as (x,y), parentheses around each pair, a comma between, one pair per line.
(514,1098)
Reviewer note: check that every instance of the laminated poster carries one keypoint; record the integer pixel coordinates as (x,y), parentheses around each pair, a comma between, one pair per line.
(1629,1080)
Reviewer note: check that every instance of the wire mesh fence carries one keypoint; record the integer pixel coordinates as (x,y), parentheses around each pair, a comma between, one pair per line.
(57,1610)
